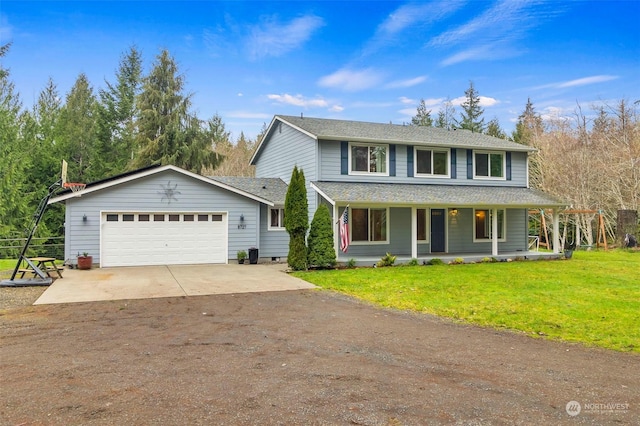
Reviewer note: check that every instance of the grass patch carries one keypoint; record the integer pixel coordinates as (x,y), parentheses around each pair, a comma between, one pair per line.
(593,298)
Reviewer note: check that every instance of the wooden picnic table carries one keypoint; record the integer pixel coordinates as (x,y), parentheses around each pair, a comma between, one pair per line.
(46,265)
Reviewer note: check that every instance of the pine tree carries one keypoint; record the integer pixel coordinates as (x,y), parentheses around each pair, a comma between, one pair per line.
(168,133)
(117,113)
(446,114)
(78,130)
(470,117)
(321,251)
(296,220)
(529,125)
(494,129)
(423,116)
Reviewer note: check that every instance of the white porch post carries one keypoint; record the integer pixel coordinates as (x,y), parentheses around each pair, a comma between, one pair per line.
(556,231)
(336,230)
(494,232)
(414,233)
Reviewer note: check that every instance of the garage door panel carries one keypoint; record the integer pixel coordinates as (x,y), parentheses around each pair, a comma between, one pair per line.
(154,242)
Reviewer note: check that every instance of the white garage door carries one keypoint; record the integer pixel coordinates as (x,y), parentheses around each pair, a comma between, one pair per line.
(130,239)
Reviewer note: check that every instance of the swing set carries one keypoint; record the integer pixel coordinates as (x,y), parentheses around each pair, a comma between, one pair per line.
(542,234)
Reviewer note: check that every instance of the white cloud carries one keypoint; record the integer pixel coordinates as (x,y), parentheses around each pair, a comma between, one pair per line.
(579,82)
(336,108)
(409,112)
(6,30)
(272,38)
(351,80)
(298,100)
(432,102)
(406,101)
(399,84)
(484,101)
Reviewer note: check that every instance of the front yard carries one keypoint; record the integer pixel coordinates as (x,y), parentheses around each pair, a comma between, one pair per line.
(593,298)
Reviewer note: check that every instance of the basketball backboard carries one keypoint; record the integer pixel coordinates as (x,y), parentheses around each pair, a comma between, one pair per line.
(63,176)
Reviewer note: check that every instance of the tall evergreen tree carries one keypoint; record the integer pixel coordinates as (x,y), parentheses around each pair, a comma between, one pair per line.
(117,113)
(168,133)
(321,251)
(471,115)
(446,115)
(529,125)
(78,130)
(494,129)
(296,220)
(16,161)
(423,116)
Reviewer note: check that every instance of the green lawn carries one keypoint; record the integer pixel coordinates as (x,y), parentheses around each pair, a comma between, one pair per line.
(593,298)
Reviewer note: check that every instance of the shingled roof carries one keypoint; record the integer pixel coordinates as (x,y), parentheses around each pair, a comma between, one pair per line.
(360,131)
(434,195)
(272,189)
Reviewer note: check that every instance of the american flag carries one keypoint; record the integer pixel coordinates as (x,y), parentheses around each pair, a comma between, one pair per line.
(344,230)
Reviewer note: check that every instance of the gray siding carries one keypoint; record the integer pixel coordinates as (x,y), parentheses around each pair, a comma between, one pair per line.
(146,195)
(460,235)
(287,148)
(272,243)
(329,152)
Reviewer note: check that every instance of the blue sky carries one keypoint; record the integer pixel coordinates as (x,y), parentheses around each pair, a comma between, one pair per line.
(360,60)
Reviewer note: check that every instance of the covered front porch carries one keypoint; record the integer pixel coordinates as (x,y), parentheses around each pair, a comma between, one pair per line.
(422,221)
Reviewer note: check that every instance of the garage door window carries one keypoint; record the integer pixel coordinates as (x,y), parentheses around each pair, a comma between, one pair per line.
(112,218)
(216,218)
(174,218)
(188,218)
(127,217)
(143,218)
(203,218)
(158,218)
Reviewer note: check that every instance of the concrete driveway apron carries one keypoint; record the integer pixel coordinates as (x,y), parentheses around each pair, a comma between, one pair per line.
(168,281)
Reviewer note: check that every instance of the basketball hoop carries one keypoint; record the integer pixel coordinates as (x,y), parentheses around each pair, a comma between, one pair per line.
(74,187)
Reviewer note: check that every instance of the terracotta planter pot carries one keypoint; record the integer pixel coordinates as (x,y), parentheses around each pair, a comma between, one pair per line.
(85,262)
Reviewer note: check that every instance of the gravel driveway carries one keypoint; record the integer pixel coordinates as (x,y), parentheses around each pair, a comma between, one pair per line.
(294,357)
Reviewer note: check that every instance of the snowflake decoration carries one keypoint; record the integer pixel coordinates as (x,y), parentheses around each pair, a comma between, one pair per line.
(169,192)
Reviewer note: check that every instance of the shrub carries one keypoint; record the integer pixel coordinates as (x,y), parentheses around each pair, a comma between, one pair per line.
(457,261)
(413,262)
(386,260)
(296,220)
(435,261)
(321,253)
(351,263)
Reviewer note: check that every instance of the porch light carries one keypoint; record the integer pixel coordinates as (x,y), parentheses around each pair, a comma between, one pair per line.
(453,212)
(84,218)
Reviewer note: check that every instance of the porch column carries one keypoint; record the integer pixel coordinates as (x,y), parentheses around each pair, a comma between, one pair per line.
(494,232)
(414,233)
(336,230)
(556,231)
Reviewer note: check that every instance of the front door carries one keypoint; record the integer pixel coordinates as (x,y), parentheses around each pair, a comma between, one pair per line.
(437,230)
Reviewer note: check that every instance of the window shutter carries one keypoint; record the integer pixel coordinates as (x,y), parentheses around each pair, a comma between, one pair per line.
(453,163)
(469,164)
(392,160)
(344,158)
(508,161)
(409,160)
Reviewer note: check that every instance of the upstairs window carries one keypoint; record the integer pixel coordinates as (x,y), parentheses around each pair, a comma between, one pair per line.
(431,162)
(366,159)
(489,165)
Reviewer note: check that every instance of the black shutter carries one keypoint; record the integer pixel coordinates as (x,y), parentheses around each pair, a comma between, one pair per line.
(469,164)
(508,161)
(344,158)
(454,163)
(409,160)
(392,160)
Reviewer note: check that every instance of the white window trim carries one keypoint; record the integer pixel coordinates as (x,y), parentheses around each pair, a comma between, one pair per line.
(368,243)
(431,175)
(355,172)
(504,165)
(427,224)
(281,219)
(504,226)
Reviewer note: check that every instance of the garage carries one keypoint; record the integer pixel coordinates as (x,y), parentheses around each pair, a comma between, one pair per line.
(163,238)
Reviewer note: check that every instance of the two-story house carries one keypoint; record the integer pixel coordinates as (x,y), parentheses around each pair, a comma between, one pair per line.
(415,192)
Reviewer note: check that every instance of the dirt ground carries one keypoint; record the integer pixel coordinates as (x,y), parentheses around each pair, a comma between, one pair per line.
(295,357)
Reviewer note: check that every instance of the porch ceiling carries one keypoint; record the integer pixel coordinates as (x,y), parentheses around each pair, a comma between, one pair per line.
(434,195)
